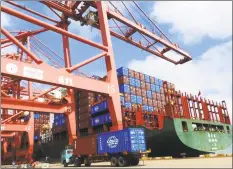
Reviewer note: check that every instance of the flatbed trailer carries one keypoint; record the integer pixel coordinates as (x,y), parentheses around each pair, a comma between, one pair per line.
(121,148)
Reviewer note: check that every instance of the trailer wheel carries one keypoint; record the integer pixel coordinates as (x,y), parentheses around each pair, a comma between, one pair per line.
(114,161)
(88,164)
(77,163)
(122,162)
(134,161)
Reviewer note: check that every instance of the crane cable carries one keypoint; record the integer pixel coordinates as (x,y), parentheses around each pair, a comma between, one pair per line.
(115,7)
(152,22)
(139,32)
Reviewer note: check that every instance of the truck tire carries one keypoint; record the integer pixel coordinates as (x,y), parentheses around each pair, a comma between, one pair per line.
(65,164)
(122,161)
(77,163)
(88,164)
(134,161)
(114,161)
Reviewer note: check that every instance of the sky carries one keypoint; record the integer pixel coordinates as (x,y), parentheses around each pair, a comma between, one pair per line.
(203,29)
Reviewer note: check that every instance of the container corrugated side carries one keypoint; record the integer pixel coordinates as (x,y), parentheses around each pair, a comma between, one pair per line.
(86,145)
(130,140)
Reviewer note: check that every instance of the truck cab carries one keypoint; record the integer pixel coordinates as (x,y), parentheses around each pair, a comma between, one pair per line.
(66,155)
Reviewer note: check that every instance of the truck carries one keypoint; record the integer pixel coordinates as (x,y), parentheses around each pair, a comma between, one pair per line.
(122,148)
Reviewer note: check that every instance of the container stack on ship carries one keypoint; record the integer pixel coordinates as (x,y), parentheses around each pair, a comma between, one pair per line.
(176,124)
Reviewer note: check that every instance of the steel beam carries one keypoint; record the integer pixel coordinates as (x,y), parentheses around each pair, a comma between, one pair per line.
(20,45)
(140,29)
(50,27)
(86,62)
(16,127)
(16,104)
(56,77)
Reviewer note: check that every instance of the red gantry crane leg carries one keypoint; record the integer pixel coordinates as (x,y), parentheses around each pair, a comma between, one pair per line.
(114,99)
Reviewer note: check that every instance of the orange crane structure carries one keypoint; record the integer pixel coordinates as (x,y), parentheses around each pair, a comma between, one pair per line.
(26,66)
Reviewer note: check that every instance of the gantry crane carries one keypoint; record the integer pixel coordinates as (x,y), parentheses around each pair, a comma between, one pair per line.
(26,65)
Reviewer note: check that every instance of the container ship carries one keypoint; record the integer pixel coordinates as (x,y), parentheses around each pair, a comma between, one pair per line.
(176,124)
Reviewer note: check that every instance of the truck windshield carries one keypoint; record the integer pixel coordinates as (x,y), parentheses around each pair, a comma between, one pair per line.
(69,151)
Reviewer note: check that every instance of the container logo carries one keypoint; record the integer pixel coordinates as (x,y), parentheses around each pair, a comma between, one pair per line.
(112,142)
(96,108)
(97,120)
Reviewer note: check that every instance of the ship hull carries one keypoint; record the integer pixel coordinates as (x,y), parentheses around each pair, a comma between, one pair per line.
(172,141)
(169,141)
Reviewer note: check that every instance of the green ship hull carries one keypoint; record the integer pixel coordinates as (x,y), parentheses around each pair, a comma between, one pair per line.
(173,141)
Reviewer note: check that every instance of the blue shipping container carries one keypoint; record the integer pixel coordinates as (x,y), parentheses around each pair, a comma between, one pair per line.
(131,140)
(153,88)
(157,88)
(108,118)
(133,98)
(149,94)
(156,81)
(122,100)
(160,82)
(150,108)
(128,105)
(145,107)
(63,121)
(122,71)
(132,81)
(137,83)
(102,106)
(35,137)
(139,99)
(124,88)
(147,78)
(101,120)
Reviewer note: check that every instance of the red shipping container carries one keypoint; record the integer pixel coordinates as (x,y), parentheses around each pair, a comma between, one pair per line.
(84,116)
(138,92)
(154,95)
(152,80)
(143,85)
(85,94)
(150,103)
(84,109)
(162,97)
(136,75)
(158,96)
(147,86)
(131,73)
(127,97)
(159,104)
(143,92)
(85,101)
(84,124)
(144,100)
(161,90)
(154,102)
(142,76)
(132,90)
(123,80)
(134,106)
(86,145)
(163,103)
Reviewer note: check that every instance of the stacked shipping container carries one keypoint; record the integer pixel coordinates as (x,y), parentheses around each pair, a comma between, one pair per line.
(140,90)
